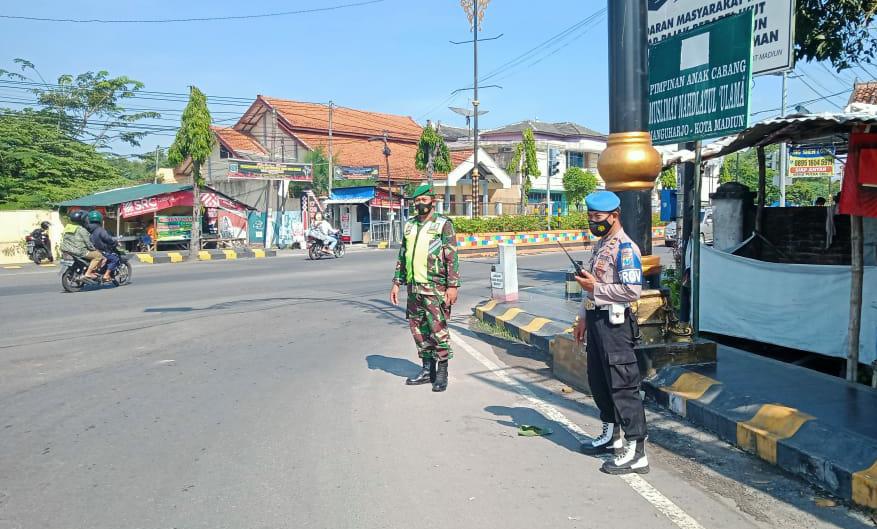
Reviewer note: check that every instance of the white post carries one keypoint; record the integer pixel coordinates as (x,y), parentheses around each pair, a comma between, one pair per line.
(504,278)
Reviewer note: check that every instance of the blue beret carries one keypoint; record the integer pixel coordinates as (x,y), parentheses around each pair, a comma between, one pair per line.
(602,201)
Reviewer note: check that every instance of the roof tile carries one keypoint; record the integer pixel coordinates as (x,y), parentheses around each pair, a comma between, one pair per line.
(239,142)
(864,93)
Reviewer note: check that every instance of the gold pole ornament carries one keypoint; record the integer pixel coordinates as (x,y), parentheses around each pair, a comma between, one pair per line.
(630,162)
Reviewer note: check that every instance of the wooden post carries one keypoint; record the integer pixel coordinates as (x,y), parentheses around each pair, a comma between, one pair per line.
(762,185)
(856,279)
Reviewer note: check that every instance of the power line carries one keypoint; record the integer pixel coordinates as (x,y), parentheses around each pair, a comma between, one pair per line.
(802,102)
(817,92)
(193,19)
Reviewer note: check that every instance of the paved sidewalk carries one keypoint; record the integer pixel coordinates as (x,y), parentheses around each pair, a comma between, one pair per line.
(813,425)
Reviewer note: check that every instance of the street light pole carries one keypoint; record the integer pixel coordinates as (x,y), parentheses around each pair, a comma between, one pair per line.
(475,175)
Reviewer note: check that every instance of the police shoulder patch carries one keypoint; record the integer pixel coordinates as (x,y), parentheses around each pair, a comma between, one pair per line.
(630,269)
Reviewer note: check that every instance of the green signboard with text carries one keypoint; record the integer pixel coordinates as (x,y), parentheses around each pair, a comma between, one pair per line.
(699,82)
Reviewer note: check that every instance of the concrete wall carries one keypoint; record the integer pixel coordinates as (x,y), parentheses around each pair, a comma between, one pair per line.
(15,224)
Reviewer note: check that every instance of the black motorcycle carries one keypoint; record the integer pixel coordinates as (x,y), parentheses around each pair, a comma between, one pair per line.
(316,247)
(38,247)
(73,272)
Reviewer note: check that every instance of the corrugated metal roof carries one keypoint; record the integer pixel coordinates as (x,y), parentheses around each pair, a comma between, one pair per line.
(125,194)
(796,128)
(563,129)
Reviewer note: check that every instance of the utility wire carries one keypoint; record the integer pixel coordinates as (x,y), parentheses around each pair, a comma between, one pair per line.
(193,19)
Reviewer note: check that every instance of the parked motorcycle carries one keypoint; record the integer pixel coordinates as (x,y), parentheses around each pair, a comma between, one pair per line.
(316,246)
(38,248)
(73,272)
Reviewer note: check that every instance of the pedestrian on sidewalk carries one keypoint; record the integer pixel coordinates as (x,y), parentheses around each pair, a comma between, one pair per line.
(428,265)
(613,281)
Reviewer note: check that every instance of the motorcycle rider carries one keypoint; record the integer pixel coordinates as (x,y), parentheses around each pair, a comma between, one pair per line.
(104,242)
(40,237)
(77,241)
(327,232)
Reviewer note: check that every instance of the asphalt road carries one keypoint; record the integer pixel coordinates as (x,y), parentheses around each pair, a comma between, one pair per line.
(269,394)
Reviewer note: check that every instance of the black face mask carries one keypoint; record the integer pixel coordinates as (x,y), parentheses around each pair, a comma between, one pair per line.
(423,209)
(600,228)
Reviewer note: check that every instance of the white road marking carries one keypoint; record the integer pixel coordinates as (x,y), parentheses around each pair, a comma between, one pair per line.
(635,481)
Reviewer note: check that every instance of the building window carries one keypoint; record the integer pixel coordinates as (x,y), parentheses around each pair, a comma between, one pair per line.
(223,152)
(575,159)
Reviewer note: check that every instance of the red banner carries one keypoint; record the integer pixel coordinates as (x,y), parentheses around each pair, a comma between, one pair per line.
(144,206)
(859,195)
(382,200)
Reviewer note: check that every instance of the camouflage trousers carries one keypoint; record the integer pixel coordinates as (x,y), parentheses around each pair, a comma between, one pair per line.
(428,319)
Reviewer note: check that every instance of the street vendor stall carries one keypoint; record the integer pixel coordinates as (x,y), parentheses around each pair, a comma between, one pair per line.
(159,216)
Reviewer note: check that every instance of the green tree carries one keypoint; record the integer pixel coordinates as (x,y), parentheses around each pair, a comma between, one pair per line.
(578,183)
(748,172)
(88,106)
(836,30)
(320,183)
(668,178)
(40,166)
(524,162)
(432,153)
(194,141)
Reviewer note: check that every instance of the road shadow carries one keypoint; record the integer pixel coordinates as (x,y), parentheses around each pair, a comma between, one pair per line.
(528,416)
(399,367)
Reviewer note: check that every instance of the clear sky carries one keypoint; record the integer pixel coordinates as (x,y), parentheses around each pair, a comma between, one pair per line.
(393,56)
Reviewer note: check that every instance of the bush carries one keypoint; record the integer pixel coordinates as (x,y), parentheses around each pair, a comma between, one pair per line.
(517,223)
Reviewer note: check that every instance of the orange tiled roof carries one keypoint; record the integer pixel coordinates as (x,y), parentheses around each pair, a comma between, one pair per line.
(361,152)
(864,93)
(344,120)
(239,142)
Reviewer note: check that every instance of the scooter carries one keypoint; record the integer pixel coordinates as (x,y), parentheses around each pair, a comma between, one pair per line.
(316,247)
(37,248)
(73,270)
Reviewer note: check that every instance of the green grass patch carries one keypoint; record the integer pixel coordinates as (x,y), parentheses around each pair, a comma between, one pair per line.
(492,329)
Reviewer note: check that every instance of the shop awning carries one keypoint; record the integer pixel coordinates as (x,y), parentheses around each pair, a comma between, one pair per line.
(347,201)
(124,194)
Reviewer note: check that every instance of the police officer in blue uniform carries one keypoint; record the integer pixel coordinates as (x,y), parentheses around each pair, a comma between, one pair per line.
(612,281)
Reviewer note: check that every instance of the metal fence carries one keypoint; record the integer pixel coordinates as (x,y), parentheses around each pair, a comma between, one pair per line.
(385,231)
(493,209)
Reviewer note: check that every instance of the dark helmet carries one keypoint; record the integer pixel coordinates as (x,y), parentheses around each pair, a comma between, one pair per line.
(78,217)
(95,216)
(44,225)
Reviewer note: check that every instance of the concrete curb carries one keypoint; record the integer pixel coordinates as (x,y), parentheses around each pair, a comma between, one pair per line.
(204,255)
(842,463)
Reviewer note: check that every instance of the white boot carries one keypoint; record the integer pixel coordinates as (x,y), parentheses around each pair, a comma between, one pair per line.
(608,441)
(631,459)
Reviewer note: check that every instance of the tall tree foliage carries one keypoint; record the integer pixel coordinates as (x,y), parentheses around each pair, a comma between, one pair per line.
(40,166)
(836,31)
(578,183)
(524,162)
(88,106)
(194,141)
(668,178)
(432,155)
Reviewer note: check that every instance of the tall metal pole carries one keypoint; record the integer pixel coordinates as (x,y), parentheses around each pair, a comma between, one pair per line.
(475,175)
(331,169)
(155,178)
(784,160)
(695,241)
(630,164)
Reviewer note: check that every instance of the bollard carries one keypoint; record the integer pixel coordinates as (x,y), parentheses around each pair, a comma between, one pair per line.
(504,276)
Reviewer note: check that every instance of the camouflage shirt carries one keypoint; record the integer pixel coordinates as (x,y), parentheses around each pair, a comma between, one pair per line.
(433,267)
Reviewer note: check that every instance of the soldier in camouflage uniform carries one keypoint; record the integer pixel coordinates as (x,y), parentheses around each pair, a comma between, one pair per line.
(428,265)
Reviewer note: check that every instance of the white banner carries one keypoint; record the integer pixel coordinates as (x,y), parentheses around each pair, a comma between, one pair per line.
(773,34)
(804,307)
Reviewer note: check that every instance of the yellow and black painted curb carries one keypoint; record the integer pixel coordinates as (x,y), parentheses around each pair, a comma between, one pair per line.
(842,462)
(204,255)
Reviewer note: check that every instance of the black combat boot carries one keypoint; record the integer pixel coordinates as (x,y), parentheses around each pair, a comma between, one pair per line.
(423,377)
(609,441)
(632,459)
(441,377)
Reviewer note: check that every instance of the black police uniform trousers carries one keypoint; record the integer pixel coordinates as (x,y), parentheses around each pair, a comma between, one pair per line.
(613,373)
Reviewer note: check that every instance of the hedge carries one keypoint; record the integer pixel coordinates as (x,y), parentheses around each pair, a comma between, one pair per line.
(514,223)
